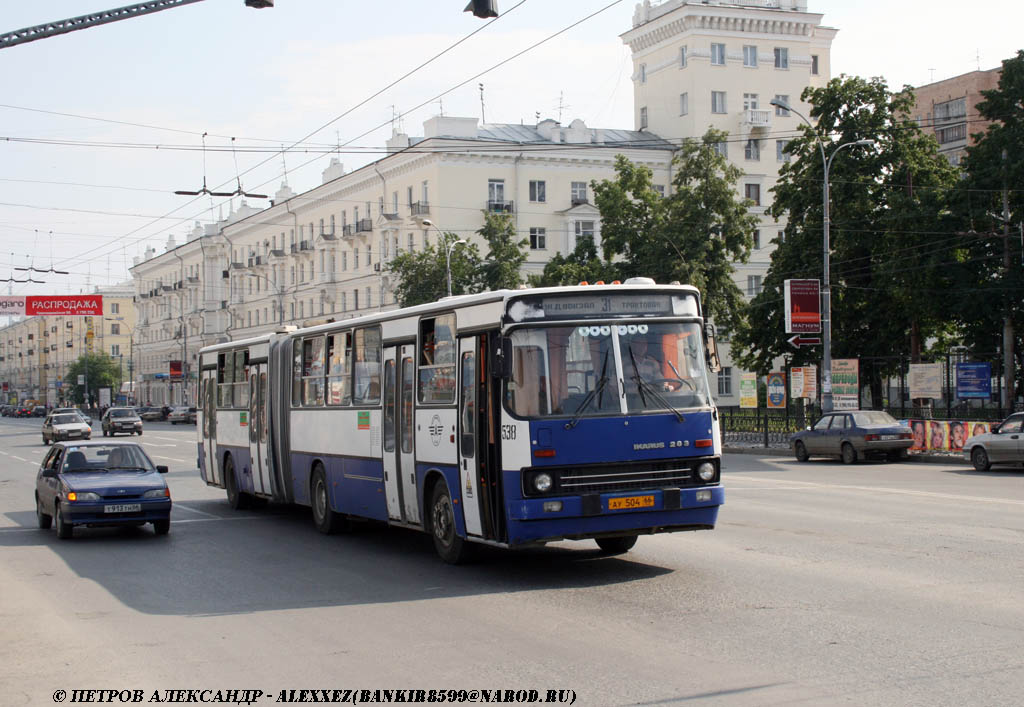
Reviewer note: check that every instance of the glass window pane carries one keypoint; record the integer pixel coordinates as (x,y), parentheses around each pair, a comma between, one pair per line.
(467,404)
(367,367)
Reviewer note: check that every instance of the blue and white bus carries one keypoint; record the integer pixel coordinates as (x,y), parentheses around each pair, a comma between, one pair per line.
(508,418)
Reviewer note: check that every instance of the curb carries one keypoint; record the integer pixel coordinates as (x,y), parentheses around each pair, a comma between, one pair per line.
(779,452)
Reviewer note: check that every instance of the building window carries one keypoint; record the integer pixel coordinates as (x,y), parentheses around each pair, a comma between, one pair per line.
(718,54)
(583,229)
(682,56)
(412,242)
(781,58)
(782,236)
(718,101)
(753,192)
(660,189)
(749,55)
(753,285)
(115,308)
(344,261)
(496,190)
(643,118)
(115,329)
(538,239)
(725,381)
(408,196)
(782,150)
(538,191)
(722,148)
(579,193)
(779,110)
(814,64)
(355,258)
(643,73)
(750,101)
(684,103)
(757,238)
(951,134)
(752,150)
(424,193)
(115,349)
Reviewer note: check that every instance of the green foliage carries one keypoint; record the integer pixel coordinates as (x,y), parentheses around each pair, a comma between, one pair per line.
(422,276)
(693,236)
(500,269)
(583,264)
(889,209)
(100,371)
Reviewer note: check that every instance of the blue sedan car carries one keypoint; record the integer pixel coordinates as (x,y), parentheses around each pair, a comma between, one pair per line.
(100,483)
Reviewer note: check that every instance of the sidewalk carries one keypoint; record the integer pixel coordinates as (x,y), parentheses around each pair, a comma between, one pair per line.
(781,450)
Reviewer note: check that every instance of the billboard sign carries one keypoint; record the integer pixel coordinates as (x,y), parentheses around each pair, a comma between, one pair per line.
(803,382)
(748,390)
(53,305)
(175,370)
(845,383)
(803,306)
(974,380)
(776,382)
(925,381)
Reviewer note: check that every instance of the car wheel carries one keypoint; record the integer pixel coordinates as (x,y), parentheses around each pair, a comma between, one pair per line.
(139,433)
(45,442)
(979,457)
(616,546)
(236,499)
(104,433)
(848,453)
(326,519)
(801,451)
(162,527)
(452,549)
(64,530)
(44,519)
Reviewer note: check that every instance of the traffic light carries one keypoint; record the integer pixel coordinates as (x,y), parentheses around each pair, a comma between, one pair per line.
(483,8)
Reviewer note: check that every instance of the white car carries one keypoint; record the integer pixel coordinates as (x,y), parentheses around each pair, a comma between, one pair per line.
(182,414)
(65,426)
(1003,445)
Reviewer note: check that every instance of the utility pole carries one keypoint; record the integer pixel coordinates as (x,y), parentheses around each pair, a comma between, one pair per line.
(1008,360)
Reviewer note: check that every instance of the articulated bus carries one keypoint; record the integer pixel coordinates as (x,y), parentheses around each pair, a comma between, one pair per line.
(509,418)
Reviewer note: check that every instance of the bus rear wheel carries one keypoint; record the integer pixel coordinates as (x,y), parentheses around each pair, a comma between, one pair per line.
(452,549)
(616,546)
(326,520)
(236,499)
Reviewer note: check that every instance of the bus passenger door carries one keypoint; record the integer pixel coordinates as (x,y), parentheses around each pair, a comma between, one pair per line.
(258,428)
(213,474)
(469,433)
(390,448)
(406,471)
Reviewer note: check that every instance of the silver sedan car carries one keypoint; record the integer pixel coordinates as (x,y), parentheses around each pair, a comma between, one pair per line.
(1003,445)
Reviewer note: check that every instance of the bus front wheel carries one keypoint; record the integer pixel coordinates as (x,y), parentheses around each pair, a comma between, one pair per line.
(236,499)
(326,520)
(452,549)
(616,546)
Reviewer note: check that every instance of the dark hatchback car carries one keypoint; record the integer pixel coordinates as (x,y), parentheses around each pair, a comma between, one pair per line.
(98,483)
(852,434)
(124,420)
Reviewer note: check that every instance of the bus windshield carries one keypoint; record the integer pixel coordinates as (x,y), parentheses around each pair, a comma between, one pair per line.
(607,368)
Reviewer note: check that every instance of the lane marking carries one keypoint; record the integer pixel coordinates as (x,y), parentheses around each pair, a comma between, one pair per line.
(811,485)
(194,510)
(15,456)
(173,459)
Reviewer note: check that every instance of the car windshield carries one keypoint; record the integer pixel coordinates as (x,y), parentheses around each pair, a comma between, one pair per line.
(122,413)
(98,458)
(872,418)
(599,368)
(66,419)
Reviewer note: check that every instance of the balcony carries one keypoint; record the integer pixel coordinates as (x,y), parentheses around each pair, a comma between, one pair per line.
(500,207)
(578,200)
(328,235)
(277,253)
(420,208)
(293,248)
(237,266)
(306,245)
(348,230)
(192,281)
(364,225)
(756,118)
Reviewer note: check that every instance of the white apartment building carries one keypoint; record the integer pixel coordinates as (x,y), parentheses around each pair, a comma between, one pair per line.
(701,63)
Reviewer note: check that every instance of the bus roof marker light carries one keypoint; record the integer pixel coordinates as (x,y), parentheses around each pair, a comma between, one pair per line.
(640,281)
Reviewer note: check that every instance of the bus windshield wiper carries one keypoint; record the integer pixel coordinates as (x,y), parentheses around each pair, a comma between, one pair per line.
(601,383)
(642,385)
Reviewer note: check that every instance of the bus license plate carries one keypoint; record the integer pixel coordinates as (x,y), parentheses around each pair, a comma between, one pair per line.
(123,508)
(628,502)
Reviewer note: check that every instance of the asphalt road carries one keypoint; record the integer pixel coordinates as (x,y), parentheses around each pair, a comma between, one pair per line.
(877,584)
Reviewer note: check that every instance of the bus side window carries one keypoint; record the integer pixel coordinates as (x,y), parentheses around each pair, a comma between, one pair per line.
(296,372)
(467,404)
(313,371)
(339,372)
(389,406)
(367,366)
(437,359)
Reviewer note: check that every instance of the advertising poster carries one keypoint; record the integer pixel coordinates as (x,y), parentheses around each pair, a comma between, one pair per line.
(748,390)
(803,306)
(974,380)
(803,382)
(776,382)
(944,435)
(925,381)
(845,383)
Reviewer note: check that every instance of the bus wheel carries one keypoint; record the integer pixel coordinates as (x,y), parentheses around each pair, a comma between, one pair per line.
(452,549)
(616,546)
(326,520)
(236,499)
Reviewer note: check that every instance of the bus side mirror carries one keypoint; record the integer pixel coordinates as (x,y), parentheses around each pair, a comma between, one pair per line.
(501,358)
(714,362)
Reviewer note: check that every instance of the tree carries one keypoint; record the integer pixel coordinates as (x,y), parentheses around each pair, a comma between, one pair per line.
(583,264)
(991,209)
(500,269)
(100,371)
(694,235)
(889,213)
(422,276)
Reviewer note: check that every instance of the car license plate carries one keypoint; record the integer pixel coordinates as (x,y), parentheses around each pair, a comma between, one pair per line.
(627,502)
(123,508)
(890,436)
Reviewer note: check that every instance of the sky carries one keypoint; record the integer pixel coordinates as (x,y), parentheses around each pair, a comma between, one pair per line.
(99,127)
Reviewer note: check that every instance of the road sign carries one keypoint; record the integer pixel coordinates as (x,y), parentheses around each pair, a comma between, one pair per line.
(799,341)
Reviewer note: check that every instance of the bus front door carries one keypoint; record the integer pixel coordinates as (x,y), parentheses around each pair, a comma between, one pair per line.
(389,452)
(406,467)
(213,475)
(469,433)
(258,456)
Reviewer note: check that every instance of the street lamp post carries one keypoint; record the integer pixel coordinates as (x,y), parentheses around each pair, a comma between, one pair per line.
(447,251)
(277,290)
(826,290)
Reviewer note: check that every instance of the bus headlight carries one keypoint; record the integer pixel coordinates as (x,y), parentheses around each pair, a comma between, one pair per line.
(706,471)
(542,482)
